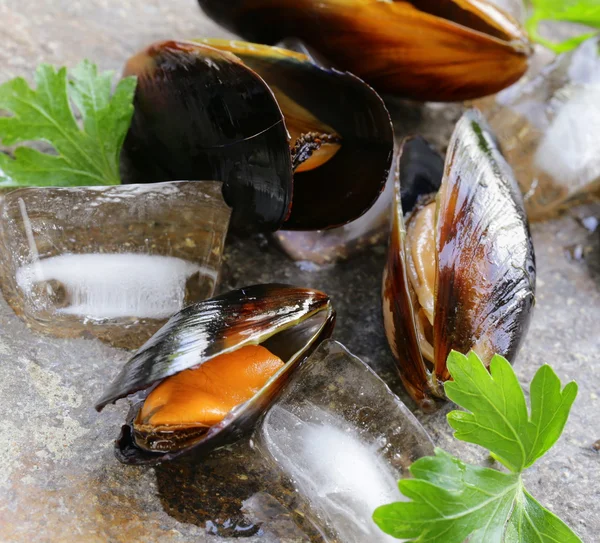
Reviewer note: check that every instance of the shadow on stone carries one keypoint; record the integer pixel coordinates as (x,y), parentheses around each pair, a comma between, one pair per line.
(232,493)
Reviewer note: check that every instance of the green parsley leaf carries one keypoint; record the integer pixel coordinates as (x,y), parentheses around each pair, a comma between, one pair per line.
(585,12)
(451,501)
(87,155)
(498,420)
(529,521)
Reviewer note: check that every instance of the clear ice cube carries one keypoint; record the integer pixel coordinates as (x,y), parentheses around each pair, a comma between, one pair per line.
(339,473)
(548,125)
(343,439)
(111,262)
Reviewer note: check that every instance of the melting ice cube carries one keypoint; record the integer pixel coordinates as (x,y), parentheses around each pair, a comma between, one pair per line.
(342,475)
(570,149)
(108,286)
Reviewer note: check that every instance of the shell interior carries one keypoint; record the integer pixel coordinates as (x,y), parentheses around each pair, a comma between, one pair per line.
(420,175)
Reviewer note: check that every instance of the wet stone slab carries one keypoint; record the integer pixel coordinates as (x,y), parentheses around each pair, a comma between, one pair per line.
(59,480)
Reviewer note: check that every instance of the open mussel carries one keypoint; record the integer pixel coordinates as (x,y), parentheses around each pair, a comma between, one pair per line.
(445,50)
(208,375)
(296,145)
(461,267)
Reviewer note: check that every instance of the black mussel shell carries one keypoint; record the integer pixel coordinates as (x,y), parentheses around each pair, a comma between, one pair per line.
(201,113)
(289,321)
(348,184)
(485,265)
(331,104)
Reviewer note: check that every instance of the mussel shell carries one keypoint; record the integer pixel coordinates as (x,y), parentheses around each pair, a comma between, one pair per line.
(196,334)
(445,50)
(485,289)
(201,113)
(485,278)
(209,110)
(348,184)
(420,174)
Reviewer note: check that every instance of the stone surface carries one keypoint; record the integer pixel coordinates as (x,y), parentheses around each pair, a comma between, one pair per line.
(59,480)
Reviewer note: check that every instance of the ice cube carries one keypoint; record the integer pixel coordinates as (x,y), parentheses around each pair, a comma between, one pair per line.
(570,148)
(548,125)
(111,262)
(343,439)
(340,474)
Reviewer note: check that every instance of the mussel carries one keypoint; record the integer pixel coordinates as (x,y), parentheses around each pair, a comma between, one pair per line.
(296,145)
(444,50)
(461,266)
(208,375)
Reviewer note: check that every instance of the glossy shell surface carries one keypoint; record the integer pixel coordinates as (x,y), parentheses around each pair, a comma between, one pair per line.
(201,114)
(428,50)
(216,109)
(348,184)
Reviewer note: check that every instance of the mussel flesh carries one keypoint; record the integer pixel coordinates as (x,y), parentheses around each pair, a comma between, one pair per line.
(208,375)
(445,50)
(296,145)
(461,266)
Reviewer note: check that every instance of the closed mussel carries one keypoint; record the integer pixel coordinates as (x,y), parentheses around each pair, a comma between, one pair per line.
(461,267)
(209,374)
(296,145)
(444,50)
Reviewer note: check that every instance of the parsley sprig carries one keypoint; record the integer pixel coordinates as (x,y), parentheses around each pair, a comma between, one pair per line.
(451,500)
(585,12)
(86,154)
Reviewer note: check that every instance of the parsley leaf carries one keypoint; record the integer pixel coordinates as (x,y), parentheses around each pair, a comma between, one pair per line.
(585,12)
(451,500)
(531,522)
(87,155)
(498,420)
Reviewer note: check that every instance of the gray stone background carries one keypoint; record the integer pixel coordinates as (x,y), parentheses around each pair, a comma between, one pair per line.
(59,480)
